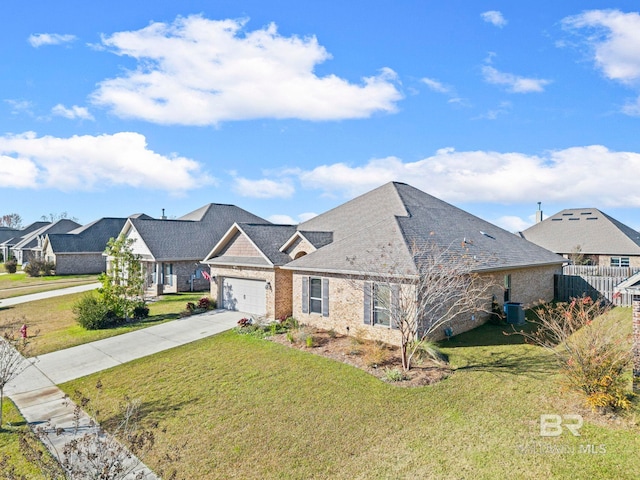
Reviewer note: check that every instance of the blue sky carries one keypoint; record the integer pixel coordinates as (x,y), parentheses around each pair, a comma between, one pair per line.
(289,108)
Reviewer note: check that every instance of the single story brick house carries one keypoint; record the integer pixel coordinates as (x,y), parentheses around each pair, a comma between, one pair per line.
(9,240)
(597,237)
(312,278)
(171,250)
(30,245)
(81,251)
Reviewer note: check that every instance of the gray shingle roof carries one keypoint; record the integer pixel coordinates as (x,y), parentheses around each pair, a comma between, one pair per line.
(7,233)
(269,239)
(594,231)
(92,237)
(31,240)
(192,236)
(398,216)
(29,229)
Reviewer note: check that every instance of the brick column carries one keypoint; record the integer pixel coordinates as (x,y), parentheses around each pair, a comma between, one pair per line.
(636,343)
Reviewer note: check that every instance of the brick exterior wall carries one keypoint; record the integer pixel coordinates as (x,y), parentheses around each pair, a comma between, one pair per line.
(529,286)
(79,264)
(636,343)
(278,297)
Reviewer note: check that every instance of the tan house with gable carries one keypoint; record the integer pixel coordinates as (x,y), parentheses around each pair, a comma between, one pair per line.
(305,270)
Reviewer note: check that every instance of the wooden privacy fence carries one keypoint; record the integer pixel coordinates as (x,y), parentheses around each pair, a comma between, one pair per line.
(594,281)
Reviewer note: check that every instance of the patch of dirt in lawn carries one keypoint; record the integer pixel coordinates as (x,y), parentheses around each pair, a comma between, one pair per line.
(374,358)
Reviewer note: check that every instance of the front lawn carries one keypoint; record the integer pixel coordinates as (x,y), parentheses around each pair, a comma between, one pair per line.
(250,408)
(17,284)
(54,323)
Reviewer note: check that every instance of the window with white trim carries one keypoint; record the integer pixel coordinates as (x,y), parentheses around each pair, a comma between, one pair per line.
(619,261)
(315,295)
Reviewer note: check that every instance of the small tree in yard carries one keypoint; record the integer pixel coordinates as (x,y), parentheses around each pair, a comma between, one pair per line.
(592,353)
(123,283)
(423,295)
(12,362)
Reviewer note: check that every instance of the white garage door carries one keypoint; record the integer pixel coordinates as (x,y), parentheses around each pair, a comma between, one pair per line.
(244,295)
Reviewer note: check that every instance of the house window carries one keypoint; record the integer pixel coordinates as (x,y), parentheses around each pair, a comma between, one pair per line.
(381,303)
(619,261)
(507,288)
(315,295)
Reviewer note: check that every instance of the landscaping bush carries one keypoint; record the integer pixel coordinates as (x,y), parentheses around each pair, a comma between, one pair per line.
(93,314)
(39,268)
(375,354)
(11,266)
(206,303)
(140,312)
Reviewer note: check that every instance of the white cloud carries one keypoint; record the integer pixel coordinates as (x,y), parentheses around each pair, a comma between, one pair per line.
(565,176)
(514,83)
(72,113)
(20,106)
(263,188)
(197,71)
(614,41)
(512,223)
(282,219)
(39,39)
(90,162)
(435,85)
(494,17)
(287,220)
(17,172)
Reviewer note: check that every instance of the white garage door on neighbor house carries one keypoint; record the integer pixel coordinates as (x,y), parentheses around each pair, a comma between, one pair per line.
(244,295)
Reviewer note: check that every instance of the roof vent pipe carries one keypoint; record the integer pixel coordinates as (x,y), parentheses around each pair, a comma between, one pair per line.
(539,213)
(164,217)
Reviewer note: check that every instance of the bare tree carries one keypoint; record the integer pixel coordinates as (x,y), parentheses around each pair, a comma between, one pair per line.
(422,295)
(12,362)
(54,217)
(11,220)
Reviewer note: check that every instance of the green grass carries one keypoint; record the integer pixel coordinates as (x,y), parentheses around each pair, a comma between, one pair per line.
(14,285)
(13,426)
(52,325)
(249,408)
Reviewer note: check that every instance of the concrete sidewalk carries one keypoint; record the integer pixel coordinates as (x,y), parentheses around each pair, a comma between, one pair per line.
(35,393)
(7,302)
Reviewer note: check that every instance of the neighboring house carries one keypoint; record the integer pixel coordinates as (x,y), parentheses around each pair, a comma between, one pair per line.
(8,243)
(171,250)
(309,275)
(588,233)
(30,245)
(81,251)
(6,233)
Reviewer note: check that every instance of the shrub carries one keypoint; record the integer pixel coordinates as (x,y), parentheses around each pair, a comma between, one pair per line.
(290,337)
(592,353)
(429,351)
(11,266)
(191,306)
(244,322)
(394,375)
(39,268)
(206,303)
(93,314)
(140,312)
(309,341)
(375,354)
